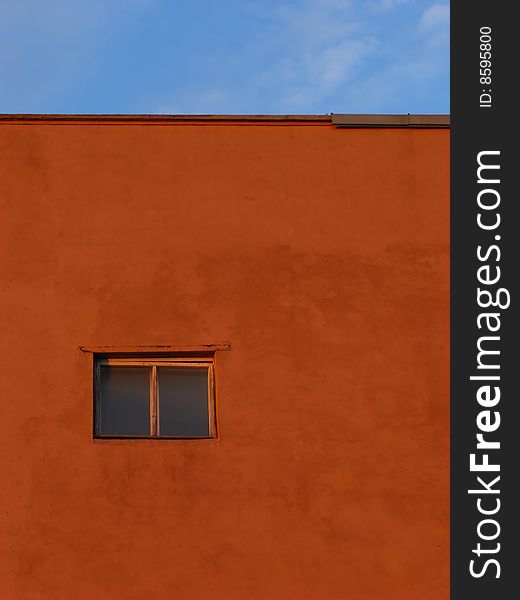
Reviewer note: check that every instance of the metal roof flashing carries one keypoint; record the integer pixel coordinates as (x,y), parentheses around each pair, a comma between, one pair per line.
(408,120)
(337,120)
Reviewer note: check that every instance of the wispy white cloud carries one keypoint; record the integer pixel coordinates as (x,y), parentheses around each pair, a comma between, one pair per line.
(287,56)
(322,42)
(437,15)
(60,16)
(435,24)
(417,70)
(392,3)
(323,72)
(379,6)
(308,51)
(46,45)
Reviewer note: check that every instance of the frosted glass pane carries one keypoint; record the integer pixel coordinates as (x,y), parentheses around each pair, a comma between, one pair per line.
(125,401)
(183,401)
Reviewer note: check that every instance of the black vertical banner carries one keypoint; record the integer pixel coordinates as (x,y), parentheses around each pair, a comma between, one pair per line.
(485,268)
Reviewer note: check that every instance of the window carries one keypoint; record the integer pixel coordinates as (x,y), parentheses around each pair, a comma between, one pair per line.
(154,397)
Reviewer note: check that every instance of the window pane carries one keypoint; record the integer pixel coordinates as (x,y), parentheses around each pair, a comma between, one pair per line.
(125,401)
(183,401)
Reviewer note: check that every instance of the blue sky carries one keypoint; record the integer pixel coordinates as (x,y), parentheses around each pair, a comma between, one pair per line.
(227,56)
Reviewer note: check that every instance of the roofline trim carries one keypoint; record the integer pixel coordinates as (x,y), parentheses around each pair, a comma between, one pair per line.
(337,120)
(408,120)
(162,118)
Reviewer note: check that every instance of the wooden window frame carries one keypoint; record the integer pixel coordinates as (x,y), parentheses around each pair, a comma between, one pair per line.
(152,363)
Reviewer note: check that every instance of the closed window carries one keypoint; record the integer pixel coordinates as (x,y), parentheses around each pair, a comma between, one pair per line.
(155,397)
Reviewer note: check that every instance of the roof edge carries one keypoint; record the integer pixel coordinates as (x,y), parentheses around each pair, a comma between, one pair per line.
(161,118)
(382,120)
(338,120)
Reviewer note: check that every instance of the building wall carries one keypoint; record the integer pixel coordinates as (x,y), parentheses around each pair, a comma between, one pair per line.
(322,255)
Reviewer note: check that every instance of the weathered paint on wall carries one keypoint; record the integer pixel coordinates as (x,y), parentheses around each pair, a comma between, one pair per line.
(322,255)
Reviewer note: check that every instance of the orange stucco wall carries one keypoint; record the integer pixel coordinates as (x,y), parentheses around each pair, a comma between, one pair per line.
(321,255)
